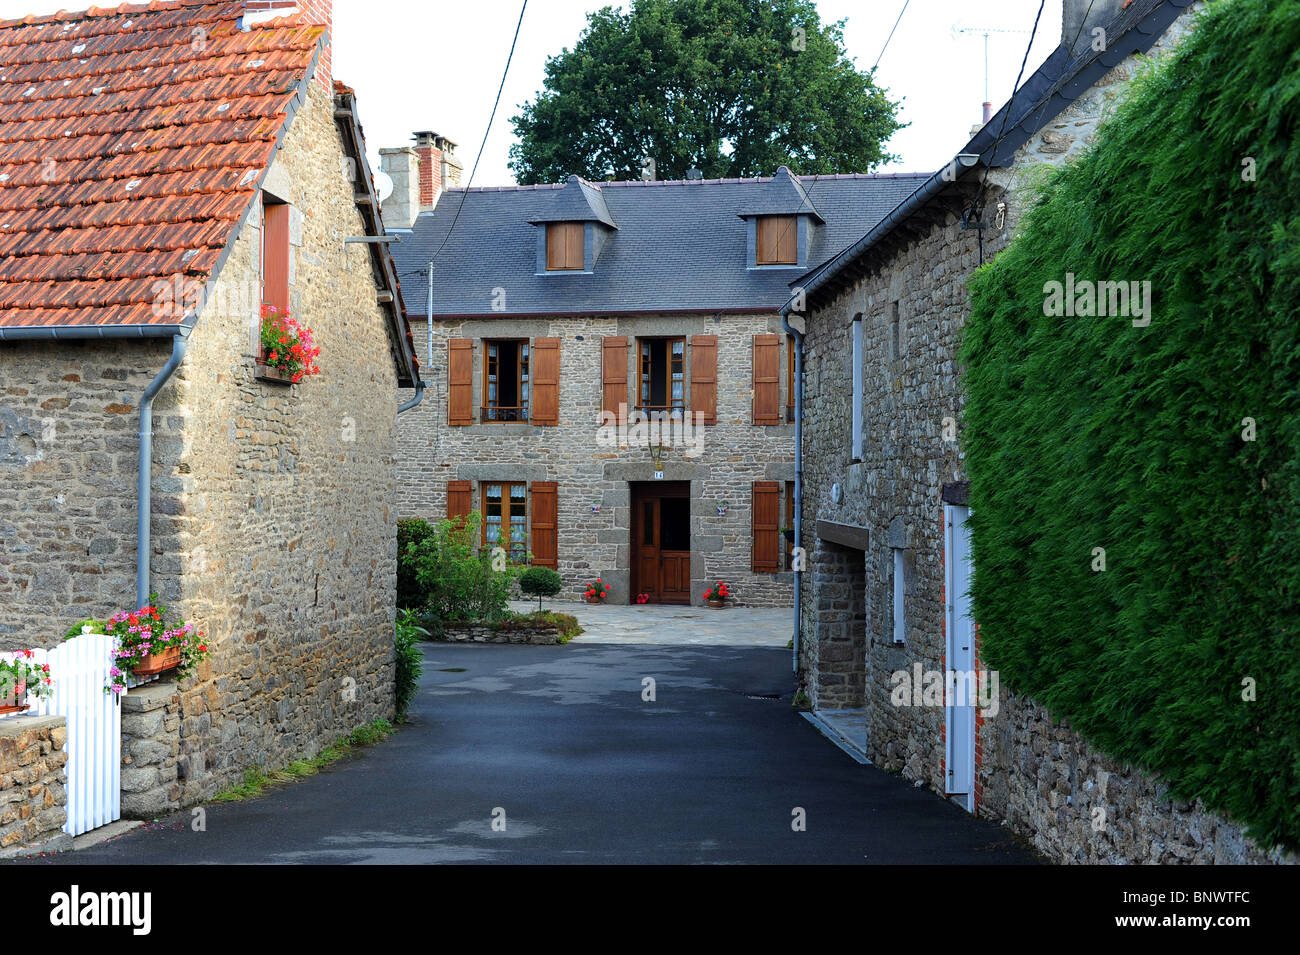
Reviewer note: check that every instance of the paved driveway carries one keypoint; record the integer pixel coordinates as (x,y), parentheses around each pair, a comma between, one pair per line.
(586,771)
(667,625)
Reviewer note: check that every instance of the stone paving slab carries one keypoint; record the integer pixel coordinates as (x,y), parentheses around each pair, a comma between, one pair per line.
(675,626)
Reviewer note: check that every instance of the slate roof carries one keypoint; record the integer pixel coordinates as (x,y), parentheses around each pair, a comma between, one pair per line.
(132,142)
(680,245)
(578,201)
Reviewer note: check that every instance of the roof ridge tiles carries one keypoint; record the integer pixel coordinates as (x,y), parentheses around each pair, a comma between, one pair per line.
(124,9)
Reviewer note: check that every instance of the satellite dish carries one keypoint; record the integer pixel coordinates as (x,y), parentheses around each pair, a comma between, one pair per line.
(383,184)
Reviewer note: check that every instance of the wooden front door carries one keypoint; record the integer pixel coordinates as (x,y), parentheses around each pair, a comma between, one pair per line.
(661,541)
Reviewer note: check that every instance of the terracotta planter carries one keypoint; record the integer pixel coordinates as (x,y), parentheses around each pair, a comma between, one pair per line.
(153,663)
(267,372)
(594,600)
(716,603)
(14,703)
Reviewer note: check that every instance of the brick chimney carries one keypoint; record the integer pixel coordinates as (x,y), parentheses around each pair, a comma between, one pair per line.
(403,204)
(320,12)
(439,168)
(1075,31)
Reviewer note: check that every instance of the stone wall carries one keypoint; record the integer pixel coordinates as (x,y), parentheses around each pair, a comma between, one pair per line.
(68,465)
(281,543)
(151,723)
(734,452)
(486,633)
(33,784)
(1039,777)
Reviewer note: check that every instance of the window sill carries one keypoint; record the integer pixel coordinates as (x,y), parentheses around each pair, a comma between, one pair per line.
(270,373)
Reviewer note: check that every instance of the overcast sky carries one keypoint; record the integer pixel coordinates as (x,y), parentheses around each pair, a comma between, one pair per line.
(436,64)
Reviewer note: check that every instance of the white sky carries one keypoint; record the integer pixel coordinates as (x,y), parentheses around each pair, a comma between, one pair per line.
(436,64)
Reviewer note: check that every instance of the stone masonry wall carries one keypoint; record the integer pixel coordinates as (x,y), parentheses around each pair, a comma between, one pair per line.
(281,545)
(479,633)
(33,793)
(151,725)
(68,463)
(1036,775)
(735,452)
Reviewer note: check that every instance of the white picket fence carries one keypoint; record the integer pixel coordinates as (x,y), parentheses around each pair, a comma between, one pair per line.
(94,769)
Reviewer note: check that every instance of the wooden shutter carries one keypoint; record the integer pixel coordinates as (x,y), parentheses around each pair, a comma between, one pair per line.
(613,373)
(460,499)
(766,522)
(767,379)
(704,377)
(564,246)
(460,381)
(777,240)
(544,530)
(545,370)
(275,255)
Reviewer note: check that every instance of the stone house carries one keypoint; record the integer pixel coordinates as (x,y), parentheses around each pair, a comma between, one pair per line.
(565,315)
(883,496)
(164,171)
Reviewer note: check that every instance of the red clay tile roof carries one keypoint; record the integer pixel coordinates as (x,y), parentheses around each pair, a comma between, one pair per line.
(132,141)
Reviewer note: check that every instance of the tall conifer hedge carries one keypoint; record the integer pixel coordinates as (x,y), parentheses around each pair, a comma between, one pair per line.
(1088,432)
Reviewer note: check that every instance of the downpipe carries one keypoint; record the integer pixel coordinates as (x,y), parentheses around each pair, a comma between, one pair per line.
(144,478)
(798,480)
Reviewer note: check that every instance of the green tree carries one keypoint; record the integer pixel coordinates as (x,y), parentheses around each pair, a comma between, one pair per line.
(734,87)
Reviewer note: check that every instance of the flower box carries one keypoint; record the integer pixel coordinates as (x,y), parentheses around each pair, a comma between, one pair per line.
(14,703)
(265,372)
(152,663)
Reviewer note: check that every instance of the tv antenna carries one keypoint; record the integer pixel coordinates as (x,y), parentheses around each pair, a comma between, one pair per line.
(957,29)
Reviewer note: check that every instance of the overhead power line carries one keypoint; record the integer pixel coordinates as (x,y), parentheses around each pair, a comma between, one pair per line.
(891,34)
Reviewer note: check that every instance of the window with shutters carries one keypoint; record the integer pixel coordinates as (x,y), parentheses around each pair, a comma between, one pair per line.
(662,378)
(777,240)
(505,518)
(789,378)
(565,243)
(505,380)
(275,253)
(765,520)
(767,379)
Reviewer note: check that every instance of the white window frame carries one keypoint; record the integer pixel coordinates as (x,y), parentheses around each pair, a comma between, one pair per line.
(857,389)
(900,604)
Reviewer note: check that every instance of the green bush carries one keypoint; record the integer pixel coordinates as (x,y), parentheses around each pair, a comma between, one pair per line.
(96,626)
(410,659)
(411,531)
(1086,433)
(457,583)
(565,623)
(540,581)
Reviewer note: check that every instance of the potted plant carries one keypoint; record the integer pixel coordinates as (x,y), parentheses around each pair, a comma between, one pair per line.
(597,592)
(147,645)
(288,352)
(716,596)
(643,598)
(20,679)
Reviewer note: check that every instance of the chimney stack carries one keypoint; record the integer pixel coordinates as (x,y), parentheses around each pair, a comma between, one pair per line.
(403,204)
(439,168)
(1076,32)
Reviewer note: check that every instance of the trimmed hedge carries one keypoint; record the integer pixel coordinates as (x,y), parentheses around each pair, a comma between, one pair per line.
(1086,432)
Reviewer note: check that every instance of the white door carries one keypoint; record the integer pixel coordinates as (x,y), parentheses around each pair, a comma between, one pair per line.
(959,713)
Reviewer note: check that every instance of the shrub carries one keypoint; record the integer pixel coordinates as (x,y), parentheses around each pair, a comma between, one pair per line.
(1088,432)
(76,630)
(410,659)
(541,581)
(565,623)
(458,584)
(410,531)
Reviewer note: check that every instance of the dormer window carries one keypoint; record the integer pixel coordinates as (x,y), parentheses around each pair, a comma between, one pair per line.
(564,246)
(778,240)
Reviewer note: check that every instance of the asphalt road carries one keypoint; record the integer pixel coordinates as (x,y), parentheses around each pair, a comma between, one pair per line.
(586,771)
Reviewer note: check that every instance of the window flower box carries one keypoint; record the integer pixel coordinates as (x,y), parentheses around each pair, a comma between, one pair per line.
(288,352)
(152,663)
(15,702)
(149,645)
(20,680)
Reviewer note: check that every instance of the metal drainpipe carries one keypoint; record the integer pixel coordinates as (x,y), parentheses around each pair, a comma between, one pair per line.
(144,484)
(798,478)
(419,393)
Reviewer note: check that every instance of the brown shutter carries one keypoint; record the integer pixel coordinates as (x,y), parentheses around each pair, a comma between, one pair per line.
(460,381)
(767,379)
(564,246)
(544,531)
(460,499)
(766,522)
(704,377)
(545,399)
(575,239)
(275,255)
(613,373)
